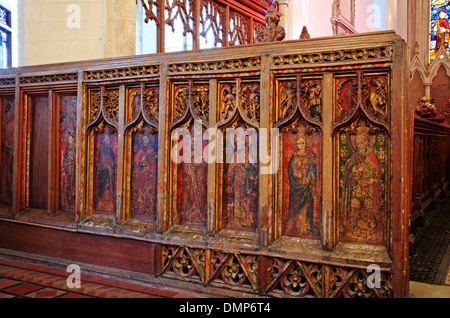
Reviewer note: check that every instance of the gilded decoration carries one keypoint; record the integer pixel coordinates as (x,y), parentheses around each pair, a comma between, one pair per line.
(377,53)
(302,93)
(311,99)
(227,101)
(234,64)
(375,98)
(249,102)
(365,91)
(200,102)
(362,182)
(288,99)
(95,102)
(181,101)
(150,105)
(111,106)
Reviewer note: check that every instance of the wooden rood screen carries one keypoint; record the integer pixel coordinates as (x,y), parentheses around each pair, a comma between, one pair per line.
(278,169)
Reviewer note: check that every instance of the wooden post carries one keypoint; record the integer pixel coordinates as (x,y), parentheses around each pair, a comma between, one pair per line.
(330,204)
(402,127)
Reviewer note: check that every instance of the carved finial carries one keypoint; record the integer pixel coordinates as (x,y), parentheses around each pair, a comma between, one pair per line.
(305,34)
(272,31)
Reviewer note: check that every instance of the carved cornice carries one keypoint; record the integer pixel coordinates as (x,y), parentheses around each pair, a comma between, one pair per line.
(7,81)
(53,78)
(236,64)
(121,73)
(335,56)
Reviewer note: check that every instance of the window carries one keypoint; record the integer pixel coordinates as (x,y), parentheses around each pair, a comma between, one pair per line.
(5,38)
(439,27)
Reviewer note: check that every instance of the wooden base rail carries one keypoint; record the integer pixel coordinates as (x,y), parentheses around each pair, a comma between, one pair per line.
(277,169)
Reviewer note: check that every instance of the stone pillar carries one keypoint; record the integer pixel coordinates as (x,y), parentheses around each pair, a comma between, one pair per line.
(120,28)
(283,9)
(397,17)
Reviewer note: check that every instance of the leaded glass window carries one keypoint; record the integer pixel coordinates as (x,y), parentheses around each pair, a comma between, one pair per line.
(439,27)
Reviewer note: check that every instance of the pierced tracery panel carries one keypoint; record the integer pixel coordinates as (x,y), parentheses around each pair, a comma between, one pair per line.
(234,271)
(212,19)
(179,22)
(295,278)
(239,32)
(184,263)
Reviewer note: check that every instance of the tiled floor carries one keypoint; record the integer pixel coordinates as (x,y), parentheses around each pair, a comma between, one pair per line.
(20,280)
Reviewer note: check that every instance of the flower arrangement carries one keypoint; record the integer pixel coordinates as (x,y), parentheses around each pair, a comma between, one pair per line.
(426,108)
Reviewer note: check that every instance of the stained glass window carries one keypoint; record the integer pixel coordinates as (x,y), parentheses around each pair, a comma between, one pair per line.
(439,27)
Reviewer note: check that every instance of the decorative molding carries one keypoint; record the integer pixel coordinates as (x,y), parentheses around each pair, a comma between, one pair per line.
(43,79)
(235,64)
(137,71)
(285,277)
(7,81)
(335,56)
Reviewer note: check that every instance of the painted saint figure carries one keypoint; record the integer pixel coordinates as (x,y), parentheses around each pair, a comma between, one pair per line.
(361,193)
(193,195)
(68,174)
(106,175)
(144,176)
(302,171)
(242,188)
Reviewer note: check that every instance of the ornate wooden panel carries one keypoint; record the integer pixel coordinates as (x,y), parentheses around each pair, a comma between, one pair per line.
(38,135)
(280,169)
(141,163)
(190,118)
(103,151)
(299,108)
(7,150)
(68,133)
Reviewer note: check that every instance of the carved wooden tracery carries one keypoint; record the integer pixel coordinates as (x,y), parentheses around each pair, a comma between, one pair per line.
(206,23)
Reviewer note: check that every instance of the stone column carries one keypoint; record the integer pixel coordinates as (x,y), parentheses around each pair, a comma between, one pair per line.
(283,9)
(397,17)
(120,28)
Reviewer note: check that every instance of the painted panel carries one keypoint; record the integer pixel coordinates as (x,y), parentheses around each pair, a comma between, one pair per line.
(144,174)
(191,185)
(68,133)
(105,172)
(241,178)
(39,153)
(362,170)
(7,148)
(302,179)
